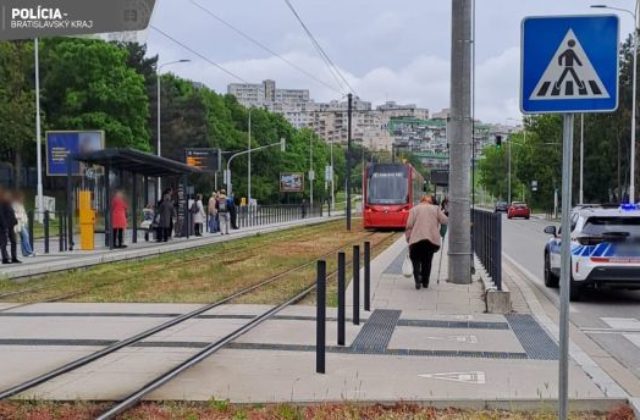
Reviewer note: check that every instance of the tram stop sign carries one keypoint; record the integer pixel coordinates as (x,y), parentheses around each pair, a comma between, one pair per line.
(569,64)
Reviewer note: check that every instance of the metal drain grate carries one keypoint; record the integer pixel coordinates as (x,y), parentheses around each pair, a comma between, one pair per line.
(376,333)
(535,341)
(453,324)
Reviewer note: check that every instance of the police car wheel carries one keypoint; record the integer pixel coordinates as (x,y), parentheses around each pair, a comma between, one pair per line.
(550,279)
(575,291)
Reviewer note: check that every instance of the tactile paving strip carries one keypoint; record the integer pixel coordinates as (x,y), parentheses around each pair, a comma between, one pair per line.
(535,341)
(376,332)
(396,266)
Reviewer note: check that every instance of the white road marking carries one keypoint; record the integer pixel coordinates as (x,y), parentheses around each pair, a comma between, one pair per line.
(622,323)
(475,377)
(634,338)
(472,339)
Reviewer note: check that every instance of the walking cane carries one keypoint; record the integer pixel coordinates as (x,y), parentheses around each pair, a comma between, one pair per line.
(443,233)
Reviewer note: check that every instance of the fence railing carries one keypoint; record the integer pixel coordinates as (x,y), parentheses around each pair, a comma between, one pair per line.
(49,231)
(251,216)
(487,242)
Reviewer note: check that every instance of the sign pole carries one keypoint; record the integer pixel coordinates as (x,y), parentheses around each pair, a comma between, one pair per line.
(565,280)
(40,189)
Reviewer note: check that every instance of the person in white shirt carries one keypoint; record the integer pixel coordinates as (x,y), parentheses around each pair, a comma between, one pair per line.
(22,227)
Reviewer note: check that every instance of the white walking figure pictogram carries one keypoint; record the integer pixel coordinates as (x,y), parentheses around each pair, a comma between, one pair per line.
(569,74)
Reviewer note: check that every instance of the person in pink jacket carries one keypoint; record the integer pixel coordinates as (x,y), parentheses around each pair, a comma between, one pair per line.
(423,235)
(118,219)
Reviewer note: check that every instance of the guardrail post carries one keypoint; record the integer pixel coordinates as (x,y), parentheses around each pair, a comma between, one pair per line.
(356,285)
(46,231)
(341,298)
(321,309)
(367,276)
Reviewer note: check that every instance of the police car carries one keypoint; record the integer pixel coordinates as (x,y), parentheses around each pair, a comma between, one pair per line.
(605,249)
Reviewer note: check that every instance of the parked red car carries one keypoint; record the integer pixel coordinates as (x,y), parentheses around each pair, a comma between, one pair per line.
(518,209)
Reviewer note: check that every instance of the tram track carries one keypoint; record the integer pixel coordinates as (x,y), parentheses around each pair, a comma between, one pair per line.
(135,397)
(75,364)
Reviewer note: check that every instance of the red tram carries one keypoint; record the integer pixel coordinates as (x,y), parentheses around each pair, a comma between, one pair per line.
(390,191)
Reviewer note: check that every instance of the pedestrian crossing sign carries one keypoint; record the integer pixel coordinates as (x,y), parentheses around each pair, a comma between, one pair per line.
(569,64)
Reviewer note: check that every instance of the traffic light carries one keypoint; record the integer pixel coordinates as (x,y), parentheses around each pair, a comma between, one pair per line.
(499,141)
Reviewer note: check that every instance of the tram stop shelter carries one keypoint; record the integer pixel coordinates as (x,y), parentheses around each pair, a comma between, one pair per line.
(137,164)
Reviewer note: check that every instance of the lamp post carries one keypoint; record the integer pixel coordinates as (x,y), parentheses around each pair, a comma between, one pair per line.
(248,161)
(158,134)
(333,190)
(312,175)
(281,143)
(634,15)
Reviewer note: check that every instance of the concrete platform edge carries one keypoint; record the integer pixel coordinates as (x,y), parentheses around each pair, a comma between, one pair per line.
(575,405)
(497,301)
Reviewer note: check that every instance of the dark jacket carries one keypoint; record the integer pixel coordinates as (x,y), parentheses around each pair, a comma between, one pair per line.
(7,217)
(166,212)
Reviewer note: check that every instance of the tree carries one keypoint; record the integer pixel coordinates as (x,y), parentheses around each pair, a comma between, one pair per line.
(17,103)
(492,171)
(88,85)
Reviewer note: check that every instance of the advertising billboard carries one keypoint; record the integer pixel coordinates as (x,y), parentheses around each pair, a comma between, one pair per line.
(205,159)
(291,182)
(60,144)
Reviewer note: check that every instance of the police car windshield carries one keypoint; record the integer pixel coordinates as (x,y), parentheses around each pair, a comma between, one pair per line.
(599,226)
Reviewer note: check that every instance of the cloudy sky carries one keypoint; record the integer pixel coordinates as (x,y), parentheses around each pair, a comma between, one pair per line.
(387,49)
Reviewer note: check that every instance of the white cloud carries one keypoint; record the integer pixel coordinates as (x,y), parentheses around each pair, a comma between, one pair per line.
(423,81)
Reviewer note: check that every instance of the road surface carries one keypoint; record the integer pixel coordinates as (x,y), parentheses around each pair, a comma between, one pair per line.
(610,317)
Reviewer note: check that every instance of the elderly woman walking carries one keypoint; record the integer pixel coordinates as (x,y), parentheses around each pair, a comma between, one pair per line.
(423,235)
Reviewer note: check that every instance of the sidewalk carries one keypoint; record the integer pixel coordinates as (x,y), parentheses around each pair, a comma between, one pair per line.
(59,261)
(434,346)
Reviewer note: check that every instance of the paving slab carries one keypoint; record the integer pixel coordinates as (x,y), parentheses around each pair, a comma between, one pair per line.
(68,307)
(18,363)
(73,328)
(288,332)
(482,340)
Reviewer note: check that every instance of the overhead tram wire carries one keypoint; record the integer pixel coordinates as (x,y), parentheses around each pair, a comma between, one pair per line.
(324,56)
(264,47)
(332,67)
(192,51)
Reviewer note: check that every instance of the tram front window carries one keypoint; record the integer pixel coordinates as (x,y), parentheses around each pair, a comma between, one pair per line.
(388,188)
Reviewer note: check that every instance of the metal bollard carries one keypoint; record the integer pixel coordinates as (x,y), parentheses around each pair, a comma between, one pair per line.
(321,315)
(60,233)
(341,298)
(46,231)
(367,276)
(356,285)
(30,215)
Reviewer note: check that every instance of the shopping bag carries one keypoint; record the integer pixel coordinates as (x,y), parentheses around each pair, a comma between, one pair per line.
(407,266)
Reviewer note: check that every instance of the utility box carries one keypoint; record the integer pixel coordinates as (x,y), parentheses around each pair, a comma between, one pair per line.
(87,221)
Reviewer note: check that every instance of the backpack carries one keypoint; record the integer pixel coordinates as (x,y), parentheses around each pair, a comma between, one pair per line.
(194,207)
(222,205)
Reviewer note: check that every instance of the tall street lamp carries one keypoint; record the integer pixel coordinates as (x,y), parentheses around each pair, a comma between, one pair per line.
(158,134)
(632,182)
(248,160)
